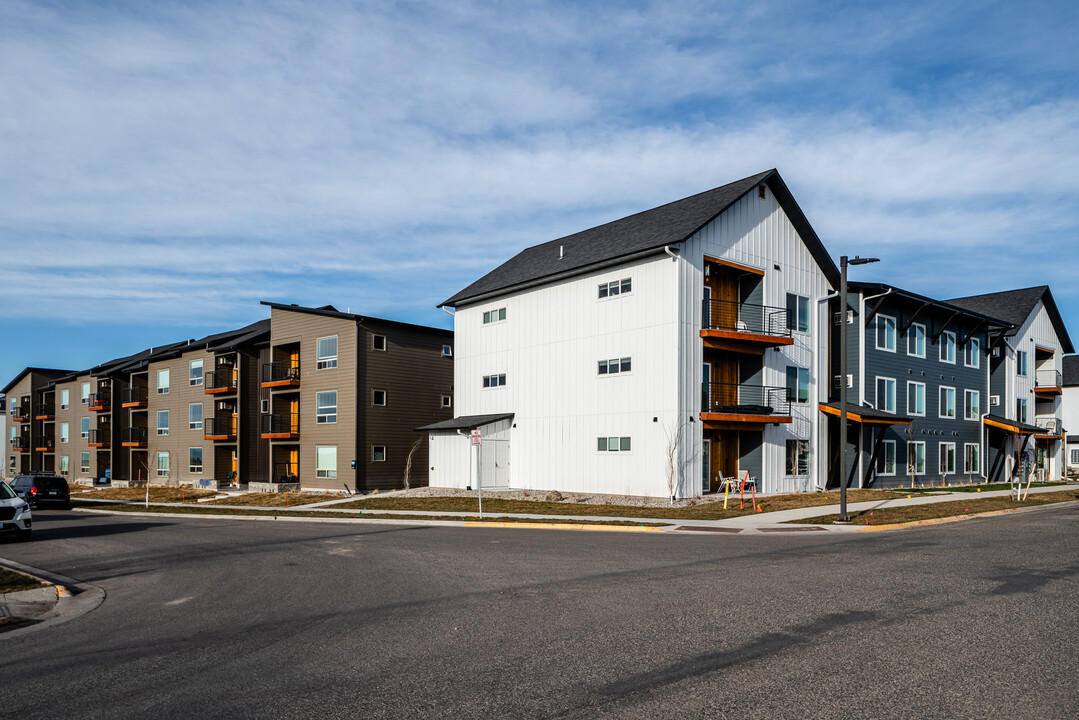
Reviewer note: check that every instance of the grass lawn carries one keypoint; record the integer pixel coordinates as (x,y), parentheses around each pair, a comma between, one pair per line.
(911,513)
(974,488)
(712,510)
(272,499)
(11,581)
(157,494)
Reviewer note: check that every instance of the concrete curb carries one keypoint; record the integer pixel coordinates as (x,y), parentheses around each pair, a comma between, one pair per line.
(73,599)
(954,518)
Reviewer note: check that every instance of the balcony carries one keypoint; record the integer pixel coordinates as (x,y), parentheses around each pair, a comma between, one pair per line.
(44,443)
(20,444)
(1047,382)
(1049,424)
(743,327)
(285,473)
(221,381)
(100,401)
(219,428)
(98,438)
(45,411)
(735,403)
(21,414)
(281,426)
(283,373)
(133,397)
(133,437)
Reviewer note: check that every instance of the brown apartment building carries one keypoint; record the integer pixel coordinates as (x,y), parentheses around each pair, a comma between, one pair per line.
(341,394)
(31,421)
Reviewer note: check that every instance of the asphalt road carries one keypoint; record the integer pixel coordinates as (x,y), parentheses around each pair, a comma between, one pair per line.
(287,620)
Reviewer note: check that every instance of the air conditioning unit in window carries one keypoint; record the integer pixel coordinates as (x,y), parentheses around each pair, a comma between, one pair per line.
(850,381)
(850,317)
(994,399)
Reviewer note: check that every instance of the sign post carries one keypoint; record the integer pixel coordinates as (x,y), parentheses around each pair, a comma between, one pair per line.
(477,438)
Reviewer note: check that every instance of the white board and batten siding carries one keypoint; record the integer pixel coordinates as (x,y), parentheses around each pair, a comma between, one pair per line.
(456,463)
(1038,331)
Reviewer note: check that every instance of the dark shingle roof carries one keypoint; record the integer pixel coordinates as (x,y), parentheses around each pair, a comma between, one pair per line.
(1015,307)
(642,233)
(331,311)
(467,422)
(993,322)
(1071,370)
(45,373)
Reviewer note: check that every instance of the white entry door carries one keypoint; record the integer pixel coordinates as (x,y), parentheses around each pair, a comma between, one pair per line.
(494,464)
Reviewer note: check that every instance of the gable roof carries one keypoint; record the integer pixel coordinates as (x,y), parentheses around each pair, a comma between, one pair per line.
(331,311)
(1015,307)
(46,373)
(1071,370)
(644,233)
(992,323)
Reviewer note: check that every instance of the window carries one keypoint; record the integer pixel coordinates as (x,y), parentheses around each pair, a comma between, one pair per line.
(615,366)
(971,404)
(326,407)
(326,462)
(447,401)
(797,312)
(947,347)
(972,353)
(84,462)
(379,397)
(493,316)
(947,458)
(327,353)
(886,461)
(972,461)
(916,341)
(1021,362)
(916,458)
(63,432)
(612,288)
(162,422)
(1074,457)
(885,333)
(915,398)
(378,453)
(1021,410)
(947,403)
(798,384)
(886,394)
(194,416)
(378,342)
(85,393)
(797,457)
(613,444)
(194,460)
(493,381)
(64,464)
(447,351)
(265,405)
(162,381)
(65,399)
(85,427)
(163,464)
(195,372)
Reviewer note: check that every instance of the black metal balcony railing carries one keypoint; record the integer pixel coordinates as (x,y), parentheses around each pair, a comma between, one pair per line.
(98,438)
(134,436)
(21,444)
(744,317)
(220,380)
(1050,424)
(44,443)
(219,427)
(134,396)
(1047,380)
(285,473)
(100,400)
(45,411)
(282,372)
(281,424)
(21,414)
(735,399)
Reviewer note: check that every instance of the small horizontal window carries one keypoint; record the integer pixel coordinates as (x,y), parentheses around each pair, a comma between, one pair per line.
(378,342)
(613,444)
(615,287)
(492,381)
(492,316)
(614,366)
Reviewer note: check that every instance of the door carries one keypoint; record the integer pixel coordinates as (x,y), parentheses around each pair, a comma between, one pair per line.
(706,466)
(494,464)
(294,415)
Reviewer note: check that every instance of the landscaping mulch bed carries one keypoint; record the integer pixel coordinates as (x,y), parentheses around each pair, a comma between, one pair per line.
(271,499)
(933,511)
(157,494)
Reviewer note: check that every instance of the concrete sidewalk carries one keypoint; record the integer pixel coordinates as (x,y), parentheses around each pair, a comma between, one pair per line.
(62,599)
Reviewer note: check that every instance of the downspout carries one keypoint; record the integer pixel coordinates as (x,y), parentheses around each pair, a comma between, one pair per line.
(451,313)
(862,374)
(672,253)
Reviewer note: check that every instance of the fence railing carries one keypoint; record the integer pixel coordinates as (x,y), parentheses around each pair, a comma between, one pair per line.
(220,379)
(1048,379)
(135,395)
(1050,424)
(744,317)
(740,399)
(280,372)
(216,427)
(281,424)
(134,436)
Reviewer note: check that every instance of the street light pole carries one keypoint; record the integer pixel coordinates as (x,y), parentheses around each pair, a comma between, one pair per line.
(843,262)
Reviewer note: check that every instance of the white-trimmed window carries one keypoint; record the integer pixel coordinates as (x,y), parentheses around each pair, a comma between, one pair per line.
(972,353)
(615,366)
(493,316)
(162,464)
(64,432)
(947,402)
(916,457)
(378,453)
(326,353)
(194,372)
(915,398)
(886,394)
(447,401)
(947,347)
(163,381)
(1074,453)
(194,460)
(162,422)
(493,381)
(972,401)
(886,333)
(378,397)
(447,351)
(84,427)
(797,312)
(947,458)
(85,393)
(1021,362)
(326,462)
(65,399)
(886,461)
(797,457)
(194,416)
(1021,410)
(378,342)
(84,462)
(916,341)
(614,444)
(64,464)
(326,407)
(614,288)
(798,383)
(972,458)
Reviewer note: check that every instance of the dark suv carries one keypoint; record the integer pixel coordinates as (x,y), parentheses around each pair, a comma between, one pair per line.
(41,490)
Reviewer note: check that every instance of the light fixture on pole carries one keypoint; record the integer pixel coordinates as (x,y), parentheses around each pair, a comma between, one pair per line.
(843,262)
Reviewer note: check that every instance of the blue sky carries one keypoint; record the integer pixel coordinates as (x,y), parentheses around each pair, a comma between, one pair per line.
(166,166)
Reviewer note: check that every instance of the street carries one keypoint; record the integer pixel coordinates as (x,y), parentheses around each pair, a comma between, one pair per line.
(235,618)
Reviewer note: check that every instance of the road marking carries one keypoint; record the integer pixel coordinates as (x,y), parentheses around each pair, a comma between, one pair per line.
(179,601)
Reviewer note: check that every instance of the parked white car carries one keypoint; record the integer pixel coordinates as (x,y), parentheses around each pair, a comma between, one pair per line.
(14,513)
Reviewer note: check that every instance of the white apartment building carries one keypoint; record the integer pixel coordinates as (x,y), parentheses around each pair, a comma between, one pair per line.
(1070,414)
